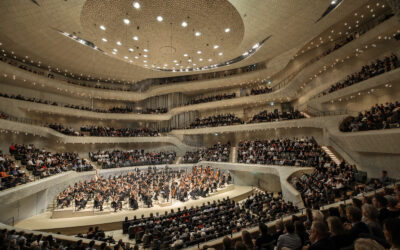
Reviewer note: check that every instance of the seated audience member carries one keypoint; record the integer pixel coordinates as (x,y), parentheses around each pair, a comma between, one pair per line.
(357,228)
(380,202)
(370,218)
(264,238)
(367,244)
(339,237)
(227,243)
(319,237)
(211,98)
(289,239)
(391,229)
(300,230)
(246,239)
(120,132)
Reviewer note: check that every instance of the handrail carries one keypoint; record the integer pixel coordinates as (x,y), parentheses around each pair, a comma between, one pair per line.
(343,150)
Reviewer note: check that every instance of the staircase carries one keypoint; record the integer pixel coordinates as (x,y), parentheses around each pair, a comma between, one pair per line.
(306,114)
(178,160)
(233,155)
(331,154)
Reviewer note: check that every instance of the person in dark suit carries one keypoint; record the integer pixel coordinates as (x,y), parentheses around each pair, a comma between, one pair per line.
(264,237)
(357,227)
(380,202)
(339,237)
(391,229)
(319,237)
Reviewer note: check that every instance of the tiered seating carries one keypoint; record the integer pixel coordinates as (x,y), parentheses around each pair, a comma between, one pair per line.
(134,157)
(120,132)
(261,90)
(219,152)
(211,98)
(10,173)
(379,67)
(265,116)
(66,131)
(383,116)
(216,121)
(190,226)
(301,152)
(44,164)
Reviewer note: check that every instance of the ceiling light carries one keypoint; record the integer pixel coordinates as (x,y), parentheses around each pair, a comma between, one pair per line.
(145,65)
(119,43)
(245,53)
(197,33)
(102,27)
(160,18)
(185,55)
(184,24)
(136,5)
(199,52)
(104,40)
(130,50)
(135,38)
(126,21)
(210,60)
(190,60)
(145,56)
(145,50)
(175,61)
(125,57)
(145,61)
(216,46)
(333,2)
(200,59)
(115,50)
(165,65)
(136,57)
(255,46)
(194,64)
(220,53)
(227,30)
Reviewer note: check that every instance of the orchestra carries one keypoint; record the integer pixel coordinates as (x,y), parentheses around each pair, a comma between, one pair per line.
(146,186)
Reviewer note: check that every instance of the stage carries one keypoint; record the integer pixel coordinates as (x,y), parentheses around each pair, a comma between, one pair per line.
(71,224)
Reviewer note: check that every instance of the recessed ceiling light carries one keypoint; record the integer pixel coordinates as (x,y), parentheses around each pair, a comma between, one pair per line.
(136,57)
(145,61)
(119,43)
(130,50)
(126,21)
(333,2)
(165,65)
(190,60)
(175,61)
(145,56)
(136,5)
(185,55)
(135,38)
(115,50)
(199,52)
(197,33)
(145,65)
(184,24)
(177,64)
(200,59)
(102,27)
(145,50)
(194,64)
(125,57)
(104,40)
(160,18)
(227,30)
(220,53)
(216,46)
(210,60)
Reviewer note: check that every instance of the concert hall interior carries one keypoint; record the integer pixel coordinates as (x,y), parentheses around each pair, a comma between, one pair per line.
(199,124)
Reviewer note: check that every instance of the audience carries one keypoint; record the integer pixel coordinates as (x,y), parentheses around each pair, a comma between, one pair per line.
(219,152)
(303,152)
(120,132)
(11,174)
(134,157)
(44,164)
(216,121)
(211,98)
(383,116)
(289,239)
(260,90)
(66,131)
(265,116)
(379,67)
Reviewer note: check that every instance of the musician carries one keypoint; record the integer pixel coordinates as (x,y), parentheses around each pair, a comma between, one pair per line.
(98,202)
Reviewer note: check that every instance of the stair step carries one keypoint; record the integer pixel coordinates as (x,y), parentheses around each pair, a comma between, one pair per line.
(331,155)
